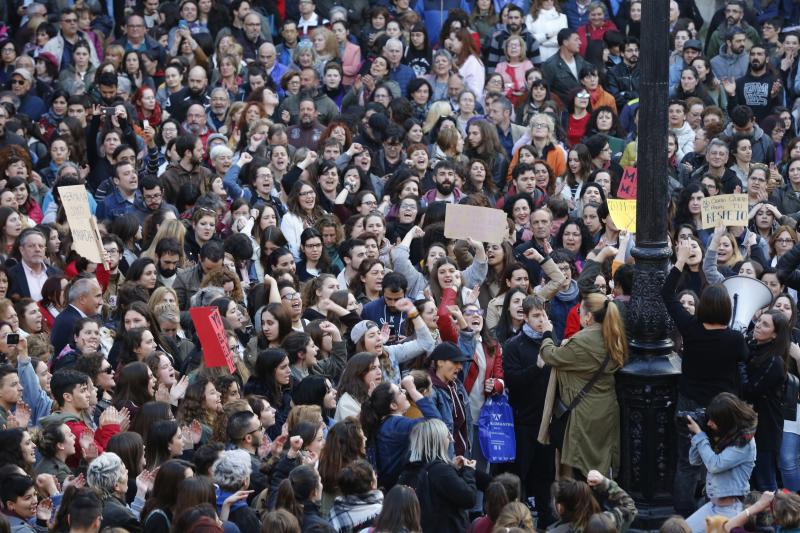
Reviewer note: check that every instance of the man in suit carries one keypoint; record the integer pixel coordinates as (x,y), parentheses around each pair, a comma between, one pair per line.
(26,278)
(85,299)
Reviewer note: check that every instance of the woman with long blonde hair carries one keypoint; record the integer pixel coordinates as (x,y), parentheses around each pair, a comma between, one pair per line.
(591,440)
(163,295)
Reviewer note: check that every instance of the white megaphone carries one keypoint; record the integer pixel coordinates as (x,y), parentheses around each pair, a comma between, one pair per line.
(748,295)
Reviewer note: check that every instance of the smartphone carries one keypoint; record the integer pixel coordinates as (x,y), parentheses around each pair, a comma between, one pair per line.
(110,111)
(146,123)
(12,339)
(182,24)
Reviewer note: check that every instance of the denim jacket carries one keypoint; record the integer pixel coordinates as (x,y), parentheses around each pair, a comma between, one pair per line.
(728,471)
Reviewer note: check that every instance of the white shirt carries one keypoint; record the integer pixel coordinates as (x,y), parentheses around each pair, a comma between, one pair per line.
(35,280)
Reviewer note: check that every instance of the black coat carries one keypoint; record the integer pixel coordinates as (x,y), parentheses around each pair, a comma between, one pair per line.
(445,495)
(762,385)
(526,382)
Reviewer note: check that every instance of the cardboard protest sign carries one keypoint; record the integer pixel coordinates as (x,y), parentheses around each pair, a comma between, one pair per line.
(86,238)
(731,209)
(211,332)
(623,213)
(483,224)
(628,183)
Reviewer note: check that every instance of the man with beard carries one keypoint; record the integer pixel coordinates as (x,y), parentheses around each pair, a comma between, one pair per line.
(514,26)
(196,122)
(195,92)
(252,36)
(218,110)
(188,280)
(152,199)
(187,169)
(309,88)
(759,89)
(113,247)
(500,115)
(168,257)
(246,432)
(731,62)
(444,179)
(306,134)
(734,17)
(623,78)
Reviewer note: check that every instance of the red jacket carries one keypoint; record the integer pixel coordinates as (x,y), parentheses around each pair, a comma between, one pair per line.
(447,330)
(494,369)
(101,437)
(573,325)
(595,34)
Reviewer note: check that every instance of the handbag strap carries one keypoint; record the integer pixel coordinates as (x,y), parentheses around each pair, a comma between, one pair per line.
(586,388)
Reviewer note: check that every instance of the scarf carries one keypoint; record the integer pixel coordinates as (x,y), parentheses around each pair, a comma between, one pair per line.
(737,437)
(356,511)
(530,333)
(570,293)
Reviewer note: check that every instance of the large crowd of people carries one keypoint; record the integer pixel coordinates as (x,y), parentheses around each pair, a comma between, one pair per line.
(288,164)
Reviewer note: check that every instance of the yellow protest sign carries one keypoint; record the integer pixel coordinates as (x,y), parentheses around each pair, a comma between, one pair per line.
(731,209)
(82,225)
(483,224)
(623,213)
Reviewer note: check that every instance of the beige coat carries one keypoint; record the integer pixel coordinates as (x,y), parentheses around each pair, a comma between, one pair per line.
(592,438)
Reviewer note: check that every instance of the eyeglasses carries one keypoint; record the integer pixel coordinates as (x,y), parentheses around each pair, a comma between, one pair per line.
(539,124)
(291,295)
(314,245)
(17,81)
(473,312)
(784,241)
(108,370)
(307,193)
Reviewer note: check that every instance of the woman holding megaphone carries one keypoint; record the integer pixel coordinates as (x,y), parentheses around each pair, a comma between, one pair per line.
(711,353)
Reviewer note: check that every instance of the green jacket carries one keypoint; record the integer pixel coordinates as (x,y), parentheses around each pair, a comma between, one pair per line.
(592,438)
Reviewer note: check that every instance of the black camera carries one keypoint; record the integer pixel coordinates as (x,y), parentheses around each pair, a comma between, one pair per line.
(698,415)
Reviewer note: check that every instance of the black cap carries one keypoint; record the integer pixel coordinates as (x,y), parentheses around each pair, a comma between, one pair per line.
(447,351)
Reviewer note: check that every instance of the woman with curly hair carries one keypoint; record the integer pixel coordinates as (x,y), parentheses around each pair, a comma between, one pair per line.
(227,281)
(201,403)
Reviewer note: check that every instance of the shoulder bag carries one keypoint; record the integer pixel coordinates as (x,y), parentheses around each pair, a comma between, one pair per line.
(561,411)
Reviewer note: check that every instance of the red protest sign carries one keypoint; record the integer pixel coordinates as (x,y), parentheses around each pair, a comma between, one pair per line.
(627,184)
(211,332)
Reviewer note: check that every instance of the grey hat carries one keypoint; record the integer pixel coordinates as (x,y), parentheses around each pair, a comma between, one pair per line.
(694,44)
(216,137)
(360,329)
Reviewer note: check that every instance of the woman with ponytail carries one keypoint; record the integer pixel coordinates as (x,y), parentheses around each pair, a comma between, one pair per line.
(591,440)
(577,501)
(387,430)
(300,494)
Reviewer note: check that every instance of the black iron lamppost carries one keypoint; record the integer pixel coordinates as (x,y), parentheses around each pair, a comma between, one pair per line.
(647,386)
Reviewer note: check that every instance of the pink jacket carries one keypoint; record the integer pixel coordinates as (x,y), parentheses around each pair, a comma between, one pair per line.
(351,63)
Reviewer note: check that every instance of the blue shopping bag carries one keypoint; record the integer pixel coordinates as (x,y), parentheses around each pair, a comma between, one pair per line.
(496,430)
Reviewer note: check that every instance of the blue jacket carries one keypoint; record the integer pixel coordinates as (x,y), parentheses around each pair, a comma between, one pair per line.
(403,75)
(32,393)
(444,404)
(434,13)
(574,20)
(115,205)
(391,443)
(728,471)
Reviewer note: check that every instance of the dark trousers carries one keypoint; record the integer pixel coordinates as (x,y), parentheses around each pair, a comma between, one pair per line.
(687,476)
(535,466)
(765,473)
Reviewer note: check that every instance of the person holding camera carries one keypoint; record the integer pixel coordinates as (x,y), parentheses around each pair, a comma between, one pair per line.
(726,448)
(711,355)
